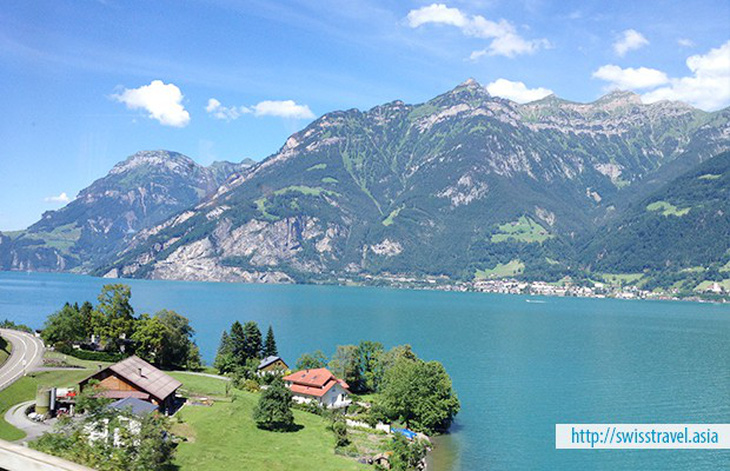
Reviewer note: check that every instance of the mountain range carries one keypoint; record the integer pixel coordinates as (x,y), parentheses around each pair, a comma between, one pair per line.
(463,186)
(139,192)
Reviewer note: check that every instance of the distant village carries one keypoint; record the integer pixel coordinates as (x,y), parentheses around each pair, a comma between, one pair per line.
(713,290)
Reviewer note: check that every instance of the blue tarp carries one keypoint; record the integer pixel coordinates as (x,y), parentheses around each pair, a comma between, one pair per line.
(409,434)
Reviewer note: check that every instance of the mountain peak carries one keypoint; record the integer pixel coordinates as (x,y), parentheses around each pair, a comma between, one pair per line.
(471,87)
(154,158)
(619,97)
(470,82)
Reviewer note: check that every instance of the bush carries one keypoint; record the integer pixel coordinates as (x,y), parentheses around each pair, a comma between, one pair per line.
(339,428)
(311,407)
(88,354)
(251,386)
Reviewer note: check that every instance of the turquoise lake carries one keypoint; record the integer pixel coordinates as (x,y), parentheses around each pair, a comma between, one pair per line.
(518,368)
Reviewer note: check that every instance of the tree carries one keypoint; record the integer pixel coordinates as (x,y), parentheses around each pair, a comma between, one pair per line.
(406,455)
(178,349)
(244,372)
(370,371)
(149,338)
(113,318)
(388,359)
(238,343)
(224,361)
(155,450)
(252,343)
(310,361)
(166,340)
(270,349)
(273,411)
(344,364)
(65,326)
(121,442)
(420,395)
(87,319)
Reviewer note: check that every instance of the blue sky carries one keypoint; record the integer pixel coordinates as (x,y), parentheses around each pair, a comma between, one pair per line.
(87,83)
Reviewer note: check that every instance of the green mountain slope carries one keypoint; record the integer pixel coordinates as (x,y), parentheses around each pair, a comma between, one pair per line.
(139,192)
(680,231)
(456,186)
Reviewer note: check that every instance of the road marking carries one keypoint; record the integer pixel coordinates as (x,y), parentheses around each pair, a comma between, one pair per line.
(20,358)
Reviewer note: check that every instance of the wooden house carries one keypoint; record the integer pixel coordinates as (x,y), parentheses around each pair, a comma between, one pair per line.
(134,377)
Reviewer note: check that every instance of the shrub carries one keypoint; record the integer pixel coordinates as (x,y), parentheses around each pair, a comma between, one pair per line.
(251,386)
(88,354)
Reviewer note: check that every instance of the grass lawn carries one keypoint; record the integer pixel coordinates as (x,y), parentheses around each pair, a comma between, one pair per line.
(224,436)
(25,389)
(667,209)
(621,279)
(502,270)
(391,217)
(706,284)
(196,385)
(5,349)
(522,230)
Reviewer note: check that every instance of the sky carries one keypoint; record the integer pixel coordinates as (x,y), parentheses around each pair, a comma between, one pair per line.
(85,84)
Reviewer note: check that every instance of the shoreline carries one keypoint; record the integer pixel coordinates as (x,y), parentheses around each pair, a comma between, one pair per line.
(507,286)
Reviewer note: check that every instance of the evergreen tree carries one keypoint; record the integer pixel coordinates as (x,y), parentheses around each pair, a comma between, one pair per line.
(224,360)
(252,343)
(273,411)
(270,349)
(238,343)
(87,319)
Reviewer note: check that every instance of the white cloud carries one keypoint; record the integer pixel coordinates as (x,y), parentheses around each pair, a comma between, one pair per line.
(218,111)
(516,91)
(283,109)
(62,198)
(505,40)
(629,78)
(162,101)
(684,42)
(279,108)
(628,41)
(709,85)
(436,13)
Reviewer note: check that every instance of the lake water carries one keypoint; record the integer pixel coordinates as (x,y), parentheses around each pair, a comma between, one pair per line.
(519,368)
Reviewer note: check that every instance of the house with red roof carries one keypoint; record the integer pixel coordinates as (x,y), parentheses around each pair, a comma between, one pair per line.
(319,386)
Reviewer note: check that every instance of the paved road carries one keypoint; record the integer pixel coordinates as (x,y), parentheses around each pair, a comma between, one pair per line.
(27,354)
(16,417)
(207,375)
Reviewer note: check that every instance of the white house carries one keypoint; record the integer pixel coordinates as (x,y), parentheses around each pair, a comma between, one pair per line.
(318,385)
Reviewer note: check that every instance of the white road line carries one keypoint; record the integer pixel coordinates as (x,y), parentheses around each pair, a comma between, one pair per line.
(21,358)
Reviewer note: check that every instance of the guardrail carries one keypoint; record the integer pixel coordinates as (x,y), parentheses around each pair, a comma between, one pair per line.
(19,458)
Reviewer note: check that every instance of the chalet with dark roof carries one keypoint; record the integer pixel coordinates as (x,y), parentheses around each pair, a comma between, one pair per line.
(135,378)
(272,365)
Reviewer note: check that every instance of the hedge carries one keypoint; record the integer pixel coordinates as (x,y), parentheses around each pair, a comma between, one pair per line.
(88,354)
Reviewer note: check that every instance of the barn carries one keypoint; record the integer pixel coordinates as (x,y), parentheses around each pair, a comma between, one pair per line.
(134,377)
